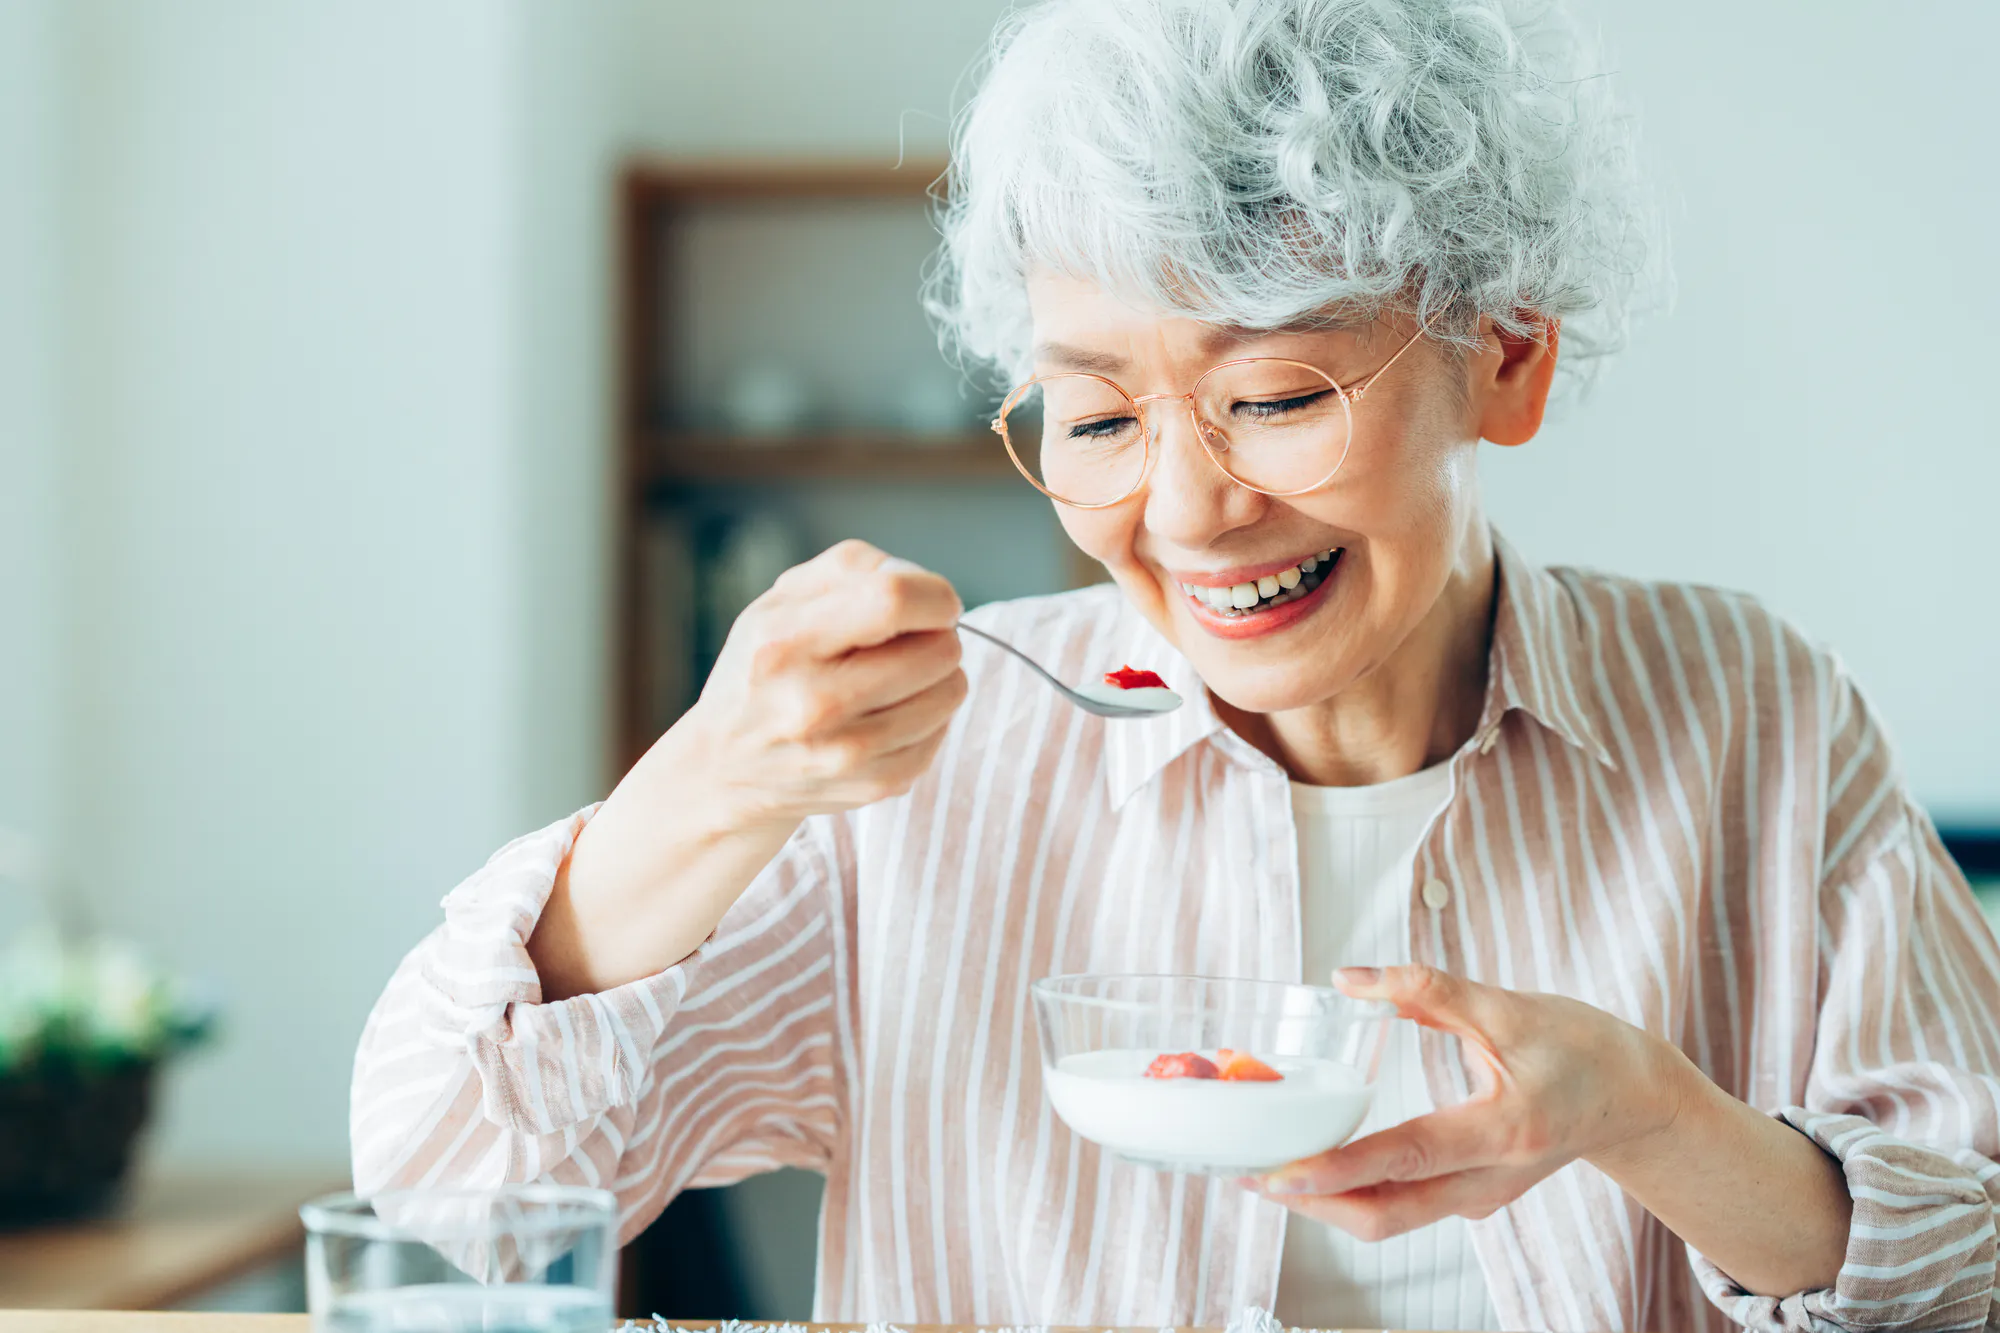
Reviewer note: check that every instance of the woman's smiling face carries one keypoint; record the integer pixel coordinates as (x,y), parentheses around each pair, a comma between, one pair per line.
(1394,519)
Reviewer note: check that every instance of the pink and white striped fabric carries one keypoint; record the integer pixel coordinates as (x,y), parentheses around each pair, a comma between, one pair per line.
(1674,808)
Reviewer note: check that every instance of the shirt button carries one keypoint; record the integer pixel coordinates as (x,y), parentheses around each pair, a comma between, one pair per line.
(1436,895)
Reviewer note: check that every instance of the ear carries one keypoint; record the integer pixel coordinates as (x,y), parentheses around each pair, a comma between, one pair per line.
(1515,391)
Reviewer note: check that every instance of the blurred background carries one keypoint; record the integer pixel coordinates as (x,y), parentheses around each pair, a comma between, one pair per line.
(396,401)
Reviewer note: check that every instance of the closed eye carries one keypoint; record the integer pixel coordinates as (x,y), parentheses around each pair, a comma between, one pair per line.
(1277,407)
(1099,430)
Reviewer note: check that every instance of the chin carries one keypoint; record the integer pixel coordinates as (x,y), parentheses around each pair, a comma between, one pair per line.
(1268,687)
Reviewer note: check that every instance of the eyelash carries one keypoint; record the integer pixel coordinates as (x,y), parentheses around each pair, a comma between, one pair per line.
(1280,406)
(1089,430)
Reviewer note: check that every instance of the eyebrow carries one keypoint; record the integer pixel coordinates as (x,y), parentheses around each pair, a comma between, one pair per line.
(1078,358)
(1107,363)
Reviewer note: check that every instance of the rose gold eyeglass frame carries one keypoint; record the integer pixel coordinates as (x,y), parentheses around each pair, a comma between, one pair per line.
(1212,443)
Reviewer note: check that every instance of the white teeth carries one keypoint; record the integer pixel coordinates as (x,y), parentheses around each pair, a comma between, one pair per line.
(1325,557)
(1268,586)
(1309,564)
(1190,590)
(1289,578)
(1218,598)
(1244,595)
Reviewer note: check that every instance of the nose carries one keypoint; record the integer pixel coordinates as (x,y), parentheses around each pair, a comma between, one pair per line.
(1189,501)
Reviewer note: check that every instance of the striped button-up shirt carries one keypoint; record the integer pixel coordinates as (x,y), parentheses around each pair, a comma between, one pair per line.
(1674,807)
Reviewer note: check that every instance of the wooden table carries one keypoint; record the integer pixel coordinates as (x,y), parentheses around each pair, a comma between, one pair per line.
(177,1236)
(99,1321)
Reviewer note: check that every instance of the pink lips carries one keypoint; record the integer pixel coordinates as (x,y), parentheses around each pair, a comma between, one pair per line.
(1256,624)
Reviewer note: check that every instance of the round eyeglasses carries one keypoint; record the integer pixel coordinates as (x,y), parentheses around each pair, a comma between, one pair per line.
(1277,426)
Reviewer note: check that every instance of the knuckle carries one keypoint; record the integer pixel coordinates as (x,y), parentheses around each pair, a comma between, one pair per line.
(1422,979)
(812,713)
(1429,987)
(1412,1160)
(1373,1226)
(771,658)
(1534,1137)
(898,591)
(853,553)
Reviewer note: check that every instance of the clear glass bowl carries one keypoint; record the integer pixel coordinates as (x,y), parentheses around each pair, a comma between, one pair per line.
(1100,1033)
(517,1258)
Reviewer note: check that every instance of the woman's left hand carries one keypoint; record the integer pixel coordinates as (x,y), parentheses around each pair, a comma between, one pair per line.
(1554,1080)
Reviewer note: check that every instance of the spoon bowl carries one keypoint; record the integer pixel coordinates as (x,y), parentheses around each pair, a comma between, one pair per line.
(1102,700)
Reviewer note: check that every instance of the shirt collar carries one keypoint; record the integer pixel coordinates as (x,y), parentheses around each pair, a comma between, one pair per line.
(1137,750)
(1534,664)
(1539,658)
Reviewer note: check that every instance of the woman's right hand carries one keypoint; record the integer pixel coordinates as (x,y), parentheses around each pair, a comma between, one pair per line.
(832,691)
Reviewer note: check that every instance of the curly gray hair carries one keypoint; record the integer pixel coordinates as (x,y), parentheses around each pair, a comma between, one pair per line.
(1296,163)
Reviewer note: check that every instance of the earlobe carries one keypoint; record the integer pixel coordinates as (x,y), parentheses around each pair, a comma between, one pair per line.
(1519,393)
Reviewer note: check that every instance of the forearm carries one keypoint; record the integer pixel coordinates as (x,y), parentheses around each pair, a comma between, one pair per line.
(1754,1195)
(650,876)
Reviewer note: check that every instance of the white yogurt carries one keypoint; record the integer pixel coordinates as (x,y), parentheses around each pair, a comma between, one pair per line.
(1222,1126)
(1147,698)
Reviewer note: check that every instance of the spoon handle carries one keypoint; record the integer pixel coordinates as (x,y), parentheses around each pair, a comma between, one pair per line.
(1031,662)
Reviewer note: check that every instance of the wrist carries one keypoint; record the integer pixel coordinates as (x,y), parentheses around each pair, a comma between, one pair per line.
(1670,1103)
(675,806)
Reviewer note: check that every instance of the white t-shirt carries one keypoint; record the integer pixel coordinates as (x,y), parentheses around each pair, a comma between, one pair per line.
(1357,854)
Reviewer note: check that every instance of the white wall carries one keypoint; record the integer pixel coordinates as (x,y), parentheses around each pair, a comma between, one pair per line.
(296,669)
(1813,422)
(29,404)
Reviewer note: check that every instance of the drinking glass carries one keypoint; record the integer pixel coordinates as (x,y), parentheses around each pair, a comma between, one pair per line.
(516,1259)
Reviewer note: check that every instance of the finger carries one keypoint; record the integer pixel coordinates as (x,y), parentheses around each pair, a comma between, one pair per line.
(1478,1013)
(1380,1211)
(854,596)
(904,724)
(895,772)
(1459,1138)
(868,679)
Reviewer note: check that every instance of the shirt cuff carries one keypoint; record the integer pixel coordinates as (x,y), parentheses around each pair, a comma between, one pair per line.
(543,1068)
(1920,1249)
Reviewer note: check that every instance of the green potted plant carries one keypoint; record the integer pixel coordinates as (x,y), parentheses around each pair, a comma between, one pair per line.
(85,1022)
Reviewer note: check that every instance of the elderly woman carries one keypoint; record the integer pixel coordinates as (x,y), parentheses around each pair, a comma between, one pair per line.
(1702,1008)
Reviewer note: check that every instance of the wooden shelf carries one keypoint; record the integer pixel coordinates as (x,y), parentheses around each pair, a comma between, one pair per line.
(675,458)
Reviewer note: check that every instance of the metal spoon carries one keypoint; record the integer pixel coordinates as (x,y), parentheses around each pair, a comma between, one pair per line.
(1089,698)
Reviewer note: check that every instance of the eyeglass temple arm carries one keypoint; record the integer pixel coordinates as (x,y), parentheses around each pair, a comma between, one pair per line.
(1354,394)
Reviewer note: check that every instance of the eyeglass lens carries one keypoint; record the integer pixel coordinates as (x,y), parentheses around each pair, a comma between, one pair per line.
(1277,426)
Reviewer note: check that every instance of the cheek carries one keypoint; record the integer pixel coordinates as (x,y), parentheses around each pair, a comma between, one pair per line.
(1111,537)
(1105,535)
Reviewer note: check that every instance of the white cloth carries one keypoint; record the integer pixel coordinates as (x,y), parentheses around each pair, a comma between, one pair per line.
(1357,855)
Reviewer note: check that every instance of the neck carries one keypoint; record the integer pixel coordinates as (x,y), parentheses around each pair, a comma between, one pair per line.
(1413,709)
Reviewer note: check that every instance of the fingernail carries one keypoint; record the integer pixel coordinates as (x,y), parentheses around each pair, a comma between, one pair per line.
(1358,976)
(1283,1182)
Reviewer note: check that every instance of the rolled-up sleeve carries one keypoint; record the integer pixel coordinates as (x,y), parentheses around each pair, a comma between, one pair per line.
(717,1067)
(1904,1089)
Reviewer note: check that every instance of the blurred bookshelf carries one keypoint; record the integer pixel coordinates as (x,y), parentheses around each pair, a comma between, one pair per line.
(778,390)
(692,457)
